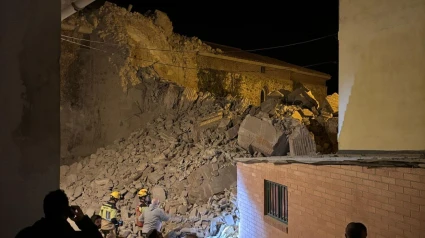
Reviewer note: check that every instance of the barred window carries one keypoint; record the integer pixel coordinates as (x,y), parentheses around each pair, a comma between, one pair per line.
(276,201)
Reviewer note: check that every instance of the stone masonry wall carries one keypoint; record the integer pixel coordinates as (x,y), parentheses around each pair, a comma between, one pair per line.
(253,81)
(324,199)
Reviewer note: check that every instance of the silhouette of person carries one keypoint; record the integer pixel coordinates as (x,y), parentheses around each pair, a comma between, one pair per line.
(355,230)
(54,223)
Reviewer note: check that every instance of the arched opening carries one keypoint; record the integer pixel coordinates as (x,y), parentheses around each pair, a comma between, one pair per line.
(263,96)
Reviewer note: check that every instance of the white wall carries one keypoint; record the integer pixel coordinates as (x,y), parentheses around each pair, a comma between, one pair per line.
(29,109)
(382,75)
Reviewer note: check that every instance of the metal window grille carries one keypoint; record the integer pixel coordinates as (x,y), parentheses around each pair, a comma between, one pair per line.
(276,201)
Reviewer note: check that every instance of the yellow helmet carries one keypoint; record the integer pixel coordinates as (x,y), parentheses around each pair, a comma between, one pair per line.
(143,192)
(116,194)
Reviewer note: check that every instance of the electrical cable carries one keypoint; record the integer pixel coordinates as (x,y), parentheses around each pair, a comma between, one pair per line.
(89,47)
(327,62)
(284,46)
(231,51)
(157,62)
(184,67)
(145,48)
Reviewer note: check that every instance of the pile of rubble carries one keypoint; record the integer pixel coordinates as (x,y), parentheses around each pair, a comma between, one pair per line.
(133,40)
(185,156)
(184,161)
(291,123)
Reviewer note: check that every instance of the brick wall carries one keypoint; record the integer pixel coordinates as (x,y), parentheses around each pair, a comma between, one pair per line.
(324,199)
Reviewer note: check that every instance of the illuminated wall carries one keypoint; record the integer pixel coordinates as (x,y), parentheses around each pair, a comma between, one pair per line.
(382,75)
(252,81)
(322,200)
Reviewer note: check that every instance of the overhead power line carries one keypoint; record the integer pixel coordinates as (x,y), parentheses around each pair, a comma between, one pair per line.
(293,44)
(155,62)
(192,51)
(179,66)
(86,46)
(137,47)
(327,62)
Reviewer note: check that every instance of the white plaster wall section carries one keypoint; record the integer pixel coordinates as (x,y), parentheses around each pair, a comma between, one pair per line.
(344,98)
(374,41)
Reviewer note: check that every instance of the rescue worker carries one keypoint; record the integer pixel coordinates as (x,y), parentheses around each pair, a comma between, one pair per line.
(108,212)
(144,201)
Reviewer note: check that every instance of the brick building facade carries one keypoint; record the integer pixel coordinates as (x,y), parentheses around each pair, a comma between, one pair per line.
(323,199)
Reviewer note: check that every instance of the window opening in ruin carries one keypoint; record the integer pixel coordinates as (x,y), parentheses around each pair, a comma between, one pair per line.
(276,201)
(263,96)
(263,69)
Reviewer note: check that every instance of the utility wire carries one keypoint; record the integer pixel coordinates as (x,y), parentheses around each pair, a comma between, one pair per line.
(231,51)
(327,62)
(284,46)
(183,67)
(137,47)
(157,62)
(89,47)
(93,41)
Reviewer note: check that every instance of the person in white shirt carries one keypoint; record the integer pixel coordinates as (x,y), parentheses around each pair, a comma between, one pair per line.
(152,217)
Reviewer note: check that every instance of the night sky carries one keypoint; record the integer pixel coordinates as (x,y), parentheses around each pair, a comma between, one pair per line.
(260,24)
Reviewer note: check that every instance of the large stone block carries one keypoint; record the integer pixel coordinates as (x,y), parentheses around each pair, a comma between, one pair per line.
(232,132)
(301,142)
(202,173)
(211,185)
(303,97)
(331,127)
(269,105)
(159,193)
(227,177)
(331,103)
(262,136)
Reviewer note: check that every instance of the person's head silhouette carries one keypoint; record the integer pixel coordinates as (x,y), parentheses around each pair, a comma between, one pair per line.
(355,230)
(56,205)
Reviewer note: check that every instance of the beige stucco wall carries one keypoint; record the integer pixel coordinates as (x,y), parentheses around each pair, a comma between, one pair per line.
(253,81)
(382,75)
